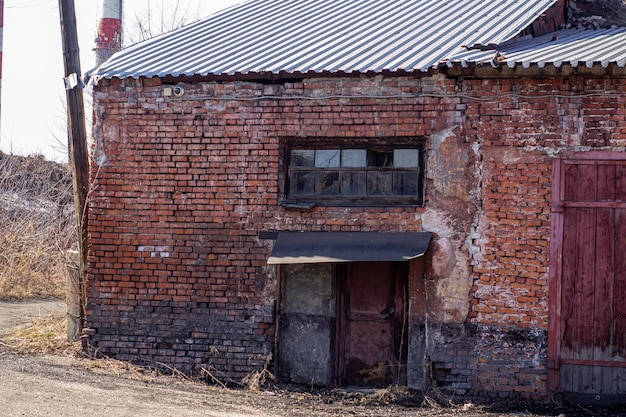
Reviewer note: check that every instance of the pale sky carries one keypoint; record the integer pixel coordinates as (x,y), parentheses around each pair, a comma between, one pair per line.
(33,119)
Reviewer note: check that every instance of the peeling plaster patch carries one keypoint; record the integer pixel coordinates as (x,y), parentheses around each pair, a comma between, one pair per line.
(574,124)
(433,84)
(439,137)
(476,148)
(495,292)
(452,289)
(268,293)
(102,131)
(99,156)
(554,153)
(447,166)
(475,239)
(551,152)
(510,158)
(156,251)
(436,338)
(476,193)
(455,191)
(441,258)
(215,105)
(438,222)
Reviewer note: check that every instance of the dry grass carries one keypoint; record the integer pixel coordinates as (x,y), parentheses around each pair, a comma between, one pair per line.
(47,335)
(123,369)
(36,226)
(42,335)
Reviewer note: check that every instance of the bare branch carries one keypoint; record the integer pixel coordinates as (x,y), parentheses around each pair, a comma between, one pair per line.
(148,24)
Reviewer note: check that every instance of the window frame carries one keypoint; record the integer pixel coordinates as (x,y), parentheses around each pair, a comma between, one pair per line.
(362,200)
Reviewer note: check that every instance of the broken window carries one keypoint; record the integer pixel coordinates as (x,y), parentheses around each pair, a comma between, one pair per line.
(359,175)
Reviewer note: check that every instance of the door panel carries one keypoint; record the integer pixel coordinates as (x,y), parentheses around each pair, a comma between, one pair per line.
(618,328)
(590,278)
(373,310)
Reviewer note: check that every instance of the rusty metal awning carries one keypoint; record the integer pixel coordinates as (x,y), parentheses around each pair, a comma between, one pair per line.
(320,247)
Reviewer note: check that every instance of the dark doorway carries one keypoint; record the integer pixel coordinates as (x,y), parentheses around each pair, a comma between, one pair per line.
(371,327)
(343,323)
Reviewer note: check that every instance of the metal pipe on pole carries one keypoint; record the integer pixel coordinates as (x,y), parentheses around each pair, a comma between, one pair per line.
(77,136)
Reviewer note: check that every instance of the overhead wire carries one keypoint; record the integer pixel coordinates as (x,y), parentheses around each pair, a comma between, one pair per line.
(400,96)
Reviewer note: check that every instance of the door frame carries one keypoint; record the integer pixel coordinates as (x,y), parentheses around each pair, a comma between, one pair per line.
(556,254)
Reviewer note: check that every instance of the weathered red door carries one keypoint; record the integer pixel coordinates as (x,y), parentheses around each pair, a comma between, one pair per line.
(373,305)
(587,353)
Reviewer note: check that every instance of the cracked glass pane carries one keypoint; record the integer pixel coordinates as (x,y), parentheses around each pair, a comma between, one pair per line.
(327,158)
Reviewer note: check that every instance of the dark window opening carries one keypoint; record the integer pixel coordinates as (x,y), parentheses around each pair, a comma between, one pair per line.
(358,175)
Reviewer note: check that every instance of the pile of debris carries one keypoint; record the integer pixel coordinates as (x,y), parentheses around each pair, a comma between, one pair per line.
(587,22)
(597,14)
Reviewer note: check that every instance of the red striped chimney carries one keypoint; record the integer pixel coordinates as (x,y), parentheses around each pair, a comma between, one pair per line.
(109,37)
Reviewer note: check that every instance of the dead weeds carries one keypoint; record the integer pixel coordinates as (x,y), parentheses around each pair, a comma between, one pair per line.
(47,336)
(43,335)
(36,211)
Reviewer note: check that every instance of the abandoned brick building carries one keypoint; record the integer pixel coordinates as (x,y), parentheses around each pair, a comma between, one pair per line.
(362,192)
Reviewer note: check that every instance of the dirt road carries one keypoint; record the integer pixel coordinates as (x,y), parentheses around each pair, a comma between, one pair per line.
(14,313)
(53,385)
(63,385)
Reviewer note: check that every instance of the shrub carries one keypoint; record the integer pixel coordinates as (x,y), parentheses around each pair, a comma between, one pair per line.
(36,226)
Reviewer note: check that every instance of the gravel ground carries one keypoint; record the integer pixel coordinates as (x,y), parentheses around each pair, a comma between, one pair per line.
(67,385)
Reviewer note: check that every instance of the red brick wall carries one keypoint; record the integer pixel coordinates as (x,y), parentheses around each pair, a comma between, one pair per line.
(177,271)
(520,137)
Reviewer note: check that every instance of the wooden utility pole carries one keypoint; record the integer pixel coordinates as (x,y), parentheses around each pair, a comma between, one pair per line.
(77,135)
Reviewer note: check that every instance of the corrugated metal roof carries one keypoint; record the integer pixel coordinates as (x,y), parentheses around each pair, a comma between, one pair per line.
(304,36)
(570,46)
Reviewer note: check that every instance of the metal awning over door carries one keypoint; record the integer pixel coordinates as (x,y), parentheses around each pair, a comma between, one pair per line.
(320,247)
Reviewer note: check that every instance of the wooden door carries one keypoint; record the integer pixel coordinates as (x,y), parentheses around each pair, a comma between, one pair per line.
(587,350)
(371,332)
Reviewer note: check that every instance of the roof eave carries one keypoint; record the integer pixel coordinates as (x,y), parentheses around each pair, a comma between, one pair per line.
(534,70)
(274,77)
